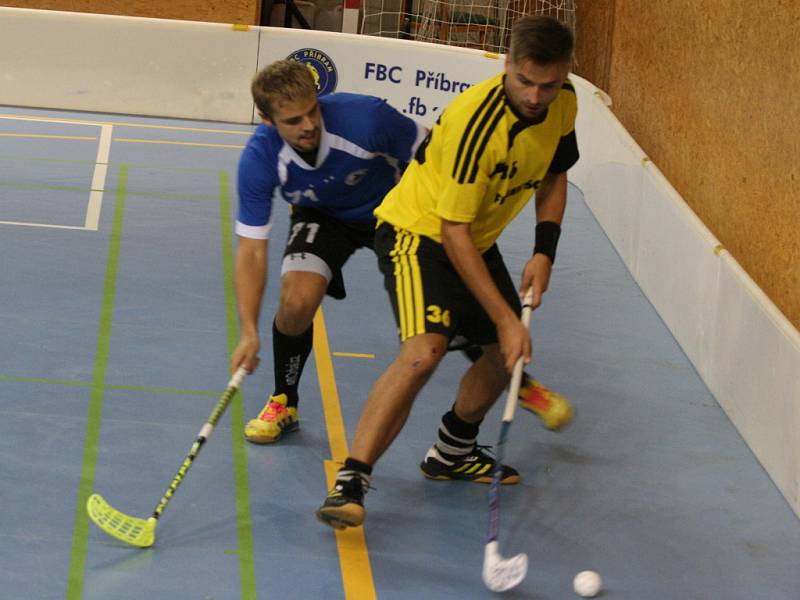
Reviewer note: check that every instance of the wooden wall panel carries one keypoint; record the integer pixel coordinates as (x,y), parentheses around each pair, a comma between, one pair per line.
(594,32)
(214,11)
(711,91)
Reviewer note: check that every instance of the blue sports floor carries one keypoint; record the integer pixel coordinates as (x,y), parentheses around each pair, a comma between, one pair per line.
(117,316)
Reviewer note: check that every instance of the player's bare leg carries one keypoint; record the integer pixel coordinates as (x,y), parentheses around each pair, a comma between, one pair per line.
(301,295)
(392,396)
(553,409)
(383,416)
(481,385)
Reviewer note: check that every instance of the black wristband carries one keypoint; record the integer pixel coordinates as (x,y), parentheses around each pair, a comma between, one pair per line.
(547,234)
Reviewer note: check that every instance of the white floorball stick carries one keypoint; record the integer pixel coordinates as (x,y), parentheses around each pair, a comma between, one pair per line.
(501,574)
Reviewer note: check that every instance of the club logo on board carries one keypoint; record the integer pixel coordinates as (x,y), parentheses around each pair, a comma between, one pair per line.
(321,67)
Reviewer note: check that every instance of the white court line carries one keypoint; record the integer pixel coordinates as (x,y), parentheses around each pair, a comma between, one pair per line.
(98,179)
(92,220)
(48,120)
(247,132)
(47,225)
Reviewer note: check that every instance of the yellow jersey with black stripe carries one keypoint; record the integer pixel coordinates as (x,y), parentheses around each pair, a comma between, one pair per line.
(481,163)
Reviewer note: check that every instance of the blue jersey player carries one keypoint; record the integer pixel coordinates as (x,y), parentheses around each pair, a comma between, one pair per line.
(333,158)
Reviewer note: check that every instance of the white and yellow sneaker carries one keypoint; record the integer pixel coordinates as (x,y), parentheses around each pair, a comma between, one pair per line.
(272,422)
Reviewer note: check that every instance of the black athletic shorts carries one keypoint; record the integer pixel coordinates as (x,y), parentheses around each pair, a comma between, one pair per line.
(320,243)
(428,295)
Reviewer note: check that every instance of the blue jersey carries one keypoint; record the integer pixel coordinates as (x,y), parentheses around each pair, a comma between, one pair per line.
(364,146)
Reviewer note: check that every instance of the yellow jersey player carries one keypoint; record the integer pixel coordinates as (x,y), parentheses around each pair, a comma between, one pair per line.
(494,146)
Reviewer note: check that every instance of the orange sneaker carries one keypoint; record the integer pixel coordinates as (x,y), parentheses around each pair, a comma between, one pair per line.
(552,409)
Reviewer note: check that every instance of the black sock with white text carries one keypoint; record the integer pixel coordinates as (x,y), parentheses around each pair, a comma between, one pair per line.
(289,355)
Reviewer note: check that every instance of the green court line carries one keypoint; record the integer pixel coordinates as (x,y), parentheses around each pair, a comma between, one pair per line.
(137,166)
(20,185)
(146,389)
(80,536)
(145,167)
(244,524)
(171,196)
(67,382)
(80,532)
(67,161)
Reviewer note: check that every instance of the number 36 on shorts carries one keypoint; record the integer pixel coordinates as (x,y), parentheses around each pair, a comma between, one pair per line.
(435,314)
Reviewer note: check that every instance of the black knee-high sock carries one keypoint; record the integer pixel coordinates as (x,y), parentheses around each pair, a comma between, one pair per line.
(457,438)
(289,353)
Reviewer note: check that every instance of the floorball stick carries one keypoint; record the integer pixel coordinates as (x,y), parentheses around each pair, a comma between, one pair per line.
(142,532)
(501,574)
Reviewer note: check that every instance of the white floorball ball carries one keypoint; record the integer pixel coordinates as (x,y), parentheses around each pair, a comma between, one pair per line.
(587,584)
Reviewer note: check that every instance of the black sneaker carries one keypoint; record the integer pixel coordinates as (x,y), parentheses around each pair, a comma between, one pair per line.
(344,505)
(476,466)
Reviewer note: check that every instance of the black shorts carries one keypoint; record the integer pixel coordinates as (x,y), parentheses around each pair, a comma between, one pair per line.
(428,295)
(320,243)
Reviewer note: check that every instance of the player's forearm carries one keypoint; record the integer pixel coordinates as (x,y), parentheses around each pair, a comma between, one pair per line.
(470,266)
(250,278)
(551,198)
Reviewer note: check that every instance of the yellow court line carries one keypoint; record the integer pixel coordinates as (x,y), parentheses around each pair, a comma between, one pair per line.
(140,141)
(334,422)
(351,543)
(49,137)
(120,124)
(353,355)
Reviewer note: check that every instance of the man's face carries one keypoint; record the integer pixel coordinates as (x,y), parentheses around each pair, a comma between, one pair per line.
(531,87)
(298,123)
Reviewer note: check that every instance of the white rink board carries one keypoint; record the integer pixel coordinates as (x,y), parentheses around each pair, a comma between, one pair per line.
(746,351)
(418,79)
(128,65)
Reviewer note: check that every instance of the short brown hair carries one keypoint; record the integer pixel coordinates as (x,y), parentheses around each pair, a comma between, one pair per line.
(542,39)
(282,81)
